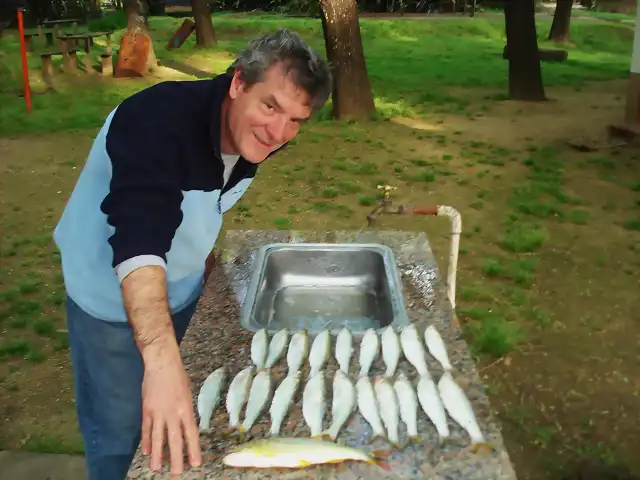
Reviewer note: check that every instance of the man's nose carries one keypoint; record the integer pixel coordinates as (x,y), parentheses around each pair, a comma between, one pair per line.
(276,129)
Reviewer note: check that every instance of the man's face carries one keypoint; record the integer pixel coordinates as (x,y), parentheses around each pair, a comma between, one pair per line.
(265,116)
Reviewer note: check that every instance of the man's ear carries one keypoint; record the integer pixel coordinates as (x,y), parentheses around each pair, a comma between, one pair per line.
(236,84)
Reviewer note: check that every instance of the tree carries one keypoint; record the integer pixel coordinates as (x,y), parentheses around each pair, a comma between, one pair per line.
(205,35)
(561,20)
(525,73)
(351,96)
(137,56)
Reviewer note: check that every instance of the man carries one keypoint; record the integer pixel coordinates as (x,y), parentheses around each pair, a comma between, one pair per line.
(140,226)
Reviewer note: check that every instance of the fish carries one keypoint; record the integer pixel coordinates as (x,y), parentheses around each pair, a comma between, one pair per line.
(287,452)
(298,350)
(369,347)
(369,408)
(391,350)
(258,398)
(343,404)
(209,396)
(320,351)
(282,400)
(344,349)
(432,406)
(436,347)
(276,347)
(237,396)
(313,403)
(414,350)
(460,409)
(389,411)
(259,345)
(408,403)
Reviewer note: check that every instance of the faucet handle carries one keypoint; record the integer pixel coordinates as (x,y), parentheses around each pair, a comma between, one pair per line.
(387,189)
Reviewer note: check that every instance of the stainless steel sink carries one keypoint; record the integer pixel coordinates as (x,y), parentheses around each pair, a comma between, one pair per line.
(317,286)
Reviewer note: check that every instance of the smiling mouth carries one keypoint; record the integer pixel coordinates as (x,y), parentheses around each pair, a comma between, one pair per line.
(267,145)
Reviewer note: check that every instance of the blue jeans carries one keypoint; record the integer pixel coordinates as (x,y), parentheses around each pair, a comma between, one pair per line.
(108,372)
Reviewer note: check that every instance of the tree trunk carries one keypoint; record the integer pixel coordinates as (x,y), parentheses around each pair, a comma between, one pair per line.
(137,56)
(561,20)
(205,35)
(351,96)
(525,73)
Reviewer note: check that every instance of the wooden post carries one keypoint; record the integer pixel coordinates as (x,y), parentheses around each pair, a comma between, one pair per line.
(47,68)
(107,64)
(73,61)
(108,43)
(65,55)
(41,38)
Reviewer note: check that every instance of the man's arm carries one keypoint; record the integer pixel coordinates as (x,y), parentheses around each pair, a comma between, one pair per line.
(143,207)
(145,299)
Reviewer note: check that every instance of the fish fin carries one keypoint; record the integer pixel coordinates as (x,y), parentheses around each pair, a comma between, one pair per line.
(482,446)
(379,458)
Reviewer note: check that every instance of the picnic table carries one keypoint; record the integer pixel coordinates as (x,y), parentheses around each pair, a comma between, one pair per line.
(56,24)
(69,40)
(68,44)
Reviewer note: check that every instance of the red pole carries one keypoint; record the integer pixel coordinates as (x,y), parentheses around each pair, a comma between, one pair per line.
(25,67)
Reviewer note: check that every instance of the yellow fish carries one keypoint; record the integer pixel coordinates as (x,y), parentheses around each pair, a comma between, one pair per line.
(299,452)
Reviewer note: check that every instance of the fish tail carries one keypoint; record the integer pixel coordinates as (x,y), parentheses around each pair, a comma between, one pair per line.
(379,458)
(484,446)
(227,432)
(326,435)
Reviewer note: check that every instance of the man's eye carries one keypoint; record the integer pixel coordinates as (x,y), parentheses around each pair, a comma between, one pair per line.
(268,106)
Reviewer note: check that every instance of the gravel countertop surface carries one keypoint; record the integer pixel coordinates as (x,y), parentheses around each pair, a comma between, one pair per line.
(215,338)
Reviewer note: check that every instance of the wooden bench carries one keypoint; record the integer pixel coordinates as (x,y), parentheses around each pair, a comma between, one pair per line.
(70,62)
(106,61)
(545,55)
(28,41)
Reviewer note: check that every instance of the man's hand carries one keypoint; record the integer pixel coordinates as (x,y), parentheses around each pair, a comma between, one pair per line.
(166,395)
(167,407)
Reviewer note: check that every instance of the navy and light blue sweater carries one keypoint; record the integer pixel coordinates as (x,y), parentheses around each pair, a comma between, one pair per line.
(152,192)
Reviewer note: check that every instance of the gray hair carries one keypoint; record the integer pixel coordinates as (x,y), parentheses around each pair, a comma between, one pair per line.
(308,70)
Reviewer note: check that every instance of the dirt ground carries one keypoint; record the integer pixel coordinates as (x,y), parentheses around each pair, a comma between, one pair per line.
(568,391)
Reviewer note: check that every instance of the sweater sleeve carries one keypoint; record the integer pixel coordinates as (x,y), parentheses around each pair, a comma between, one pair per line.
(143,205)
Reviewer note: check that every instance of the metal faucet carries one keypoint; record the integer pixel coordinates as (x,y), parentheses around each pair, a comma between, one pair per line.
(385,205)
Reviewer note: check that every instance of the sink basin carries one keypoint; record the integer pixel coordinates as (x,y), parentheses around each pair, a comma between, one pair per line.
(318,286)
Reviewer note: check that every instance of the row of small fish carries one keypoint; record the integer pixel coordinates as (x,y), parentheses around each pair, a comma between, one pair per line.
(399,399)
(265,354)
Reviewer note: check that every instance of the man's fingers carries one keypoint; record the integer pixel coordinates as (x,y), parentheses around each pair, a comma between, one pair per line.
(192,437)
(157,440)
(175,447)
(146,433)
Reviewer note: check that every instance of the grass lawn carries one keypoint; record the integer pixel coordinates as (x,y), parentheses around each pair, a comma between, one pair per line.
(550,255)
